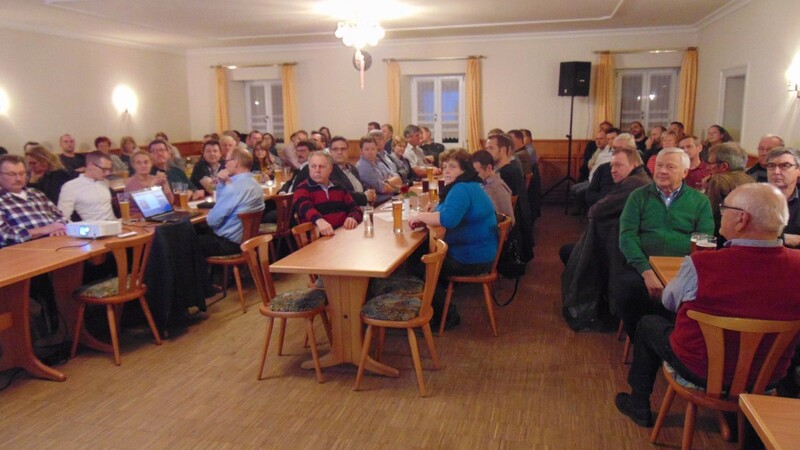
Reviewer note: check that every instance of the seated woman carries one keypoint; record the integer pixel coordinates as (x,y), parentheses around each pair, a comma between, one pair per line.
(262,160)
(497,189)
(268,142)
(206,170)
(399,144)
(468,215)
(127,147)
(47,174)
(142,179)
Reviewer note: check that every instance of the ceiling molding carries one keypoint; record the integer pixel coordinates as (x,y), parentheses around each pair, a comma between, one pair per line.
(722,12)
(16,26)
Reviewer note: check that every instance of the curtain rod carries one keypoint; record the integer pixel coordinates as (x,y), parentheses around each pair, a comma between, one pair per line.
(441,58)
(653,51)
(248,66)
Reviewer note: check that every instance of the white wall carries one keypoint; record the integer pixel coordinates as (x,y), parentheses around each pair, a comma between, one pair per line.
(520,78)
(57,85)
(764,37)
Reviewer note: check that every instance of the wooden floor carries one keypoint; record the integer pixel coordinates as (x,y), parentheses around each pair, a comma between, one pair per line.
(537,385)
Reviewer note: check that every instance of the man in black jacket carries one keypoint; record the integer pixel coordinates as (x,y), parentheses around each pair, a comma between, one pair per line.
(346,175)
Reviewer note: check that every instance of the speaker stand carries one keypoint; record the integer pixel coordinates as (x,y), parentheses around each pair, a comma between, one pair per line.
(568,178)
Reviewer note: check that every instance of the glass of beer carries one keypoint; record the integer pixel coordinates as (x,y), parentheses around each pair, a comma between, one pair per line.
(397,216)
(124,206)
(429,171)
(709,243)
(697,237)
(184,199)
(278,177)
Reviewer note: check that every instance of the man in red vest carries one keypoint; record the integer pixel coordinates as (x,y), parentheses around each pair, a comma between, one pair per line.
(755,276)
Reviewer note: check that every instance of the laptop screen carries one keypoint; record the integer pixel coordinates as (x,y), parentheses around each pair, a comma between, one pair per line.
(151,201)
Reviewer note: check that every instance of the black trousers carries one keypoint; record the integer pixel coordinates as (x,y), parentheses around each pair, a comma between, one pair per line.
(629,294)
(213,245)
(650,348)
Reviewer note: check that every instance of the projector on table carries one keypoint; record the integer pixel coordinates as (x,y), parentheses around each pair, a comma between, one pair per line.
(94,228)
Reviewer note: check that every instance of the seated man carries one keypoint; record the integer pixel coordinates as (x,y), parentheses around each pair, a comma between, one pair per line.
(726,161)
(753,277)
(346,175)
(783,172)
(375,175)
(161,156)
(89,195)
(759,169)
(414,153)
(602,181)
(325,204)
(25,213)
(658,220)
(698,168)
(301,151)
(237,192)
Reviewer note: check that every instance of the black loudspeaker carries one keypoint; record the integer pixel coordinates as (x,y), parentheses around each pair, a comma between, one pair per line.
(574,79)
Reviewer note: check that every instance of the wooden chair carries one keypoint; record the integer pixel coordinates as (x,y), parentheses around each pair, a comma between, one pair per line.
(485,279)
(405,311)
(304,234)
(250,223)
(281,230)
(749,333)
(299,304)
(114,292)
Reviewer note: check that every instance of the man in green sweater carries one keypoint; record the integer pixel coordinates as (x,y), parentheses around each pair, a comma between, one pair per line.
(658,220)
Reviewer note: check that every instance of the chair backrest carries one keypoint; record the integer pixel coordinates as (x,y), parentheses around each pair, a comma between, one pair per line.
(304,234)
(283,203)
(514,199)
(433,265)
(130,275)
(256,253)
(750,334)
(503,227)
(434,234)
(250,223)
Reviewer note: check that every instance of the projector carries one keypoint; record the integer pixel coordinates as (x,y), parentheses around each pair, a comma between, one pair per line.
(94,228)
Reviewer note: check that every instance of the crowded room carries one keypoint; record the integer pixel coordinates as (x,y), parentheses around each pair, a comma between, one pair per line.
(398,224)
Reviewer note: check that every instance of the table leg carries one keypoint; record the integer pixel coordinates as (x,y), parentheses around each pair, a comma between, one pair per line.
(346,295)
(16,340)
(65,281)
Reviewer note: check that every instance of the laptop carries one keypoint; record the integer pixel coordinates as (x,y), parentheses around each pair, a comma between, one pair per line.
(155,206)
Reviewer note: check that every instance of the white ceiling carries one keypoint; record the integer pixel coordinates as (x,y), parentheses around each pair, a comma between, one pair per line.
(179,25)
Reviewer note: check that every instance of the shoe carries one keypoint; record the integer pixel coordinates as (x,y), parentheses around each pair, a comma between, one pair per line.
(641,416)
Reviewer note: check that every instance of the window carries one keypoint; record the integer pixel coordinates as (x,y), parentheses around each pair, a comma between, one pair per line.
(264,100)
(437,102)
(649,96)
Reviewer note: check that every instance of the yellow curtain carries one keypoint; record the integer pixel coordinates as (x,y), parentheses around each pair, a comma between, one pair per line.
(290,122)
(222,99)
(604,89)
(393,90)
(474,108)
(687,94)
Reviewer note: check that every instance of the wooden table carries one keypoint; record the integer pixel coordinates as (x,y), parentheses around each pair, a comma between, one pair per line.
(61,256)
(775,419)
(666,267)
(346,262)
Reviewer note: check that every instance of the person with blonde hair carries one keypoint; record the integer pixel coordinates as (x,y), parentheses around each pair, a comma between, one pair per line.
(142,179)
(45,172)
(127,147)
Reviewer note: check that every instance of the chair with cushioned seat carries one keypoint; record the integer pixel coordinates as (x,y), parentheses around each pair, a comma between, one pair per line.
(297,304)
(304,234)
(114,292)
(749,333)
(250,222)
(281,229)
(485,279)
(396,310)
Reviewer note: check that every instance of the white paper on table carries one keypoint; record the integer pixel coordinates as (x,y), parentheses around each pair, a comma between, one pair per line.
(193,204)
(386,216)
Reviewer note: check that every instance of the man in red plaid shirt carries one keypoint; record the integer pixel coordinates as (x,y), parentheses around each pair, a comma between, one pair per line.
(326,205)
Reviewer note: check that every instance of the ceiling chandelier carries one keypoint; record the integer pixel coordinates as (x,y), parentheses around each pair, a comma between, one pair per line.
(358,34)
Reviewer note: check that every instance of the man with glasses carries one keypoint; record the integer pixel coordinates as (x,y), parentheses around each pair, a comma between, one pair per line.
(765,144)
(752,277)
(783,172)
(89,195)
(161,156)
(25,213)
(346,175)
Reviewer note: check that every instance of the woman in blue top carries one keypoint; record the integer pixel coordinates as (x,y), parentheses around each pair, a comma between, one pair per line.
(468,215)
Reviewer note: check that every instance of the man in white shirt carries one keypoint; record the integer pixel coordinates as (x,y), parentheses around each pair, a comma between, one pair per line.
(89,195)
(414,154)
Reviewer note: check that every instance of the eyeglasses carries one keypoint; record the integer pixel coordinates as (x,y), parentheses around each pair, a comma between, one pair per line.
(782,166)
(723,207)
(104,169)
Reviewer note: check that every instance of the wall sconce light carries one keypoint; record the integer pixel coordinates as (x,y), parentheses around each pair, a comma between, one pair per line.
(125,100)
(794,87)
(5,103)
(793,75)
